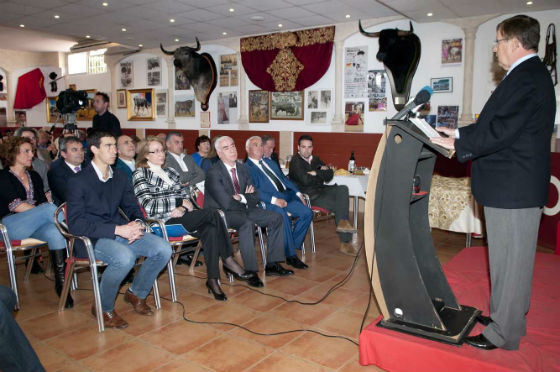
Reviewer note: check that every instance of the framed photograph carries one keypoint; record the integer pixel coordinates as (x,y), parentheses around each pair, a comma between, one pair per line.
(448,116)
(227,107)
(318,117)
(442,85)
(325,100)
(354,117)
(52,111)
(313,99)
(140,104)
(153,67)
(161,103)
(21,118)
(121,98)
(88,112)
(184,105)
(451,51)
(258,106)
(286,105)
(126,74)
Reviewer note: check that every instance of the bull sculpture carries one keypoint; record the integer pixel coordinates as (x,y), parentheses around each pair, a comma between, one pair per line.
(200,69)
(399,51)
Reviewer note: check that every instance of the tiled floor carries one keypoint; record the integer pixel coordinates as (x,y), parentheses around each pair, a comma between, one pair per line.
(69,341)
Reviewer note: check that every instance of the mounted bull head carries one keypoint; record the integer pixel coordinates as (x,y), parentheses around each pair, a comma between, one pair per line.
(200,69)
(399,51)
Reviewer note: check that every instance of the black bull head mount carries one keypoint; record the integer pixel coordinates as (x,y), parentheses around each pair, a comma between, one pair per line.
(200,69)
(400,53)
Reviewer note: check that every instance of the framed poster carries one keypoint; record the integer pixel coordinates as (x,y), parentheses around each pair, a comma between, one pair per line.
(451,51)
(161,103)
(121,98)
(354,117)
(88,112)
(153,67)
(140,104)
(286,105)
(52,111)
(126,75)
(184,105)
(258,106)
(227,107)
(442,85)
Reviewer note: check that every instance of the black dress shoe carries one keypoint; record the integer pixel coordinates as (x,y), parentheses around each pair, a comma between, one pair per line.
(186,259)
(213,287)
(254,280)
(296,262)
(483,319)
(276,269)
(480,342)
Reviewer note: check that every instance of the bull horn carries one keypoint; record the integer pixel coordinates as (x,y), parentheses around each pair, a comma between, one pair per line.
(197,45)
(364,32)
(403,32)
(165,51)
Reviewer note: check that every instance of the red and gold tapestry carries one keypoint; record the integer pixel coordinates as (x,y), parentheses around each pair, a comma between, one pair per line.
(287,61)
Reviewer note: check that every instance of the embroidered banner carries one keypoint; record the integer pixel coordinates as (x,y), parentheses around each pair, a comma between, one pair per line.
(288,61)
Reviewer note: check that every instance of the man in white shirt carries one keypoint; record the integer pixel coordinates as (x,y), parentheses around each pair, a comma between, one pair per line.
(184,164)
(127,152)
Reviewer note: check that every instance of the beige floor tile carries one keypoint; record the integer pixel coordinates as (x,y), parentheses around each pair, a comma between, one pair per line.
(269,323)
(180,337)
(355,366)
(224,312)
(308,315)
(55,324)
(182,364)
(281,363)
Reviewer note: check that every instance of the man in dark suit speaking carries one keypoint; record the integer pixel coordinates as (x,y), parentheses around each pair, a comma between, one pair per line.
(510,149)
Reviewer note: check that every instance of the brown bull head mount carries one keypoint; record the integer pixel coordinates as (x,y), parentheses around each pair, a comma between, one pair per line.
(200,69)
(399,50)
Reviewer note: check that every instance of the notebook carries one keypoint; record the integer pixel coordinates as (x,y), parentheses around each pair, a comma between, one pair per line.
(173,231)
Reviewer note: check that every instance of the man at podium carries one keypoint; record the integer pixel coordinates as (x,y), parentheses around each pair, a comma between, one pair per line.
(510,149)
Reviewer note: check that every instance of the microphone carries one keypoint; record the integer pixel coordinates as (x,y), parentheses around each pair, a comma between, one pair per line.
(422,97)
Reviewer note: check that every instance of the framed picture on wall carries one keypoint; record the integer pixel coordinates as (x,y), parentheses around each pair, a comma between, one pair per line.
(88,112)
(442,85)
(52,111)
(161,103)
(258,106)
(126,74)
(184,105)
(121,98)
(140,104)
(286,105)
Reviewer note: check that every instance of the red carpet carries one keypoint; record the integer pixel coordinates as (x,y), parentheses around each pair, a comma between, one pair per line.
(468,275)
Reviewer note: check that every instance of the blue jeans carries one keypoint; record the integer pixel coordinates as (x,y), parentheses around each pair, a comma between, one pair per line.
(35,223)
(120,257)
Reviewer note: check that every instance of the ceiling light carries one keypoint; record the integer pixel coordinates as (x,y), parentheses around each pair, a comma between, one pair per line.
(172,20)
(529,3)
(176,40)
(347,15)
(123,29)
(280,25)
(224,33)
(22,25)
(105,4)
(56,16)
(430,14)
(140,45)
(87,36)
(231,10)
(257,18)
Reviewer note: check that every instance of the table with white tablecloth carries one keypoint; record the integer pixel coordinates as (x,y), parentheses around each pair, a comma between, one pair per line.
(357,186)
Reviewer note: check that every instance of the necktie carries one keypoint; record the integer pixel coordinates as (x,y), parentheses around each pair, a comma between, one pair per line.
(235,181)
(273,177)
(76,169)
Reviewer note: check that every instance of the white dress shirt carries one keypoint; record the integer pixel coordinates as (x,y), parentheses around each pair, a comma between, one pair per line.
(243,200)
(100,175)
(180,160)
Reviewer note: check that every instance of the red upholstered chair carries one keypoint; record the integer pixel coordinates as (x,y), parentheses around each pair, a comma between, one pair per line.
(75,264)
(10,247)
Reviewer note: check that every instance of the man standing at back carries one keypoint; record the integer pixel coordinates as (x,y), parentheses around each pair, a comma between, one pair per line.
(104,120)
(510,149)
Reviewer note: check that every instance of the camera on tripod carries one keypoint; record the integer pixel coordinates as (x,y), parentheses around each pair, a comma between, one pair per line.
(68,103)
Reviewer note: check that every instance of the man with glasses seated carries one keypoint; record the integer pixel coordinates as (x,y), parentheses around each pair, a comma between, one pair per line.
(94,198)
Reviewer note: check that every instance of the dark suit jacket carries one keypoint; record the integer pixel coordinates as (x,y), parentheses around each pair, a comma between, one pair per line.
(193,176)
(121,165)
(266,188)
(219,191)
(274,157)
(59,175)
(510,142)
(93,206)
(308,184)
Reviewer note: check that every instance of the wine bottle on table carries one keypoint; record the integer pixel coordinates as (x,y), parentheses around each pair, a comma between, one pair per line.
(352,163)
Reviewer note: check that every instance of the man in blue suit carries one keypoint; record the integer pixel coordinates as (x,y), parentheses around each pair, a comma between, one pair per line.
(281,196)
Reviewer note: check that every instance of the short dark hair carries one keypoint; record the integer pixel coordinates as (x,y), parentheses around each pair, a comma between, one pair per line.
(19,132)
(64,141)
(9,149)
(526,29)
(266,137)
(304,137)
(104,95)
(173,133)
(201,139)
(94,139)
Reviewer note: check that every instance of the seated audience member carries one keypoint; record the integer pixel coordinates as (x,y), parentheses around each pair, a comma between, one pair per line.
(94,198)
(189,173)
(24,208)
(280,195)
(126,151)
(44,146)
(160,192)
(229,187)
(212,157)
(71,161)
(104,120)
(309,173)
(202,146)
(16,353)
(269,144)
(37,164)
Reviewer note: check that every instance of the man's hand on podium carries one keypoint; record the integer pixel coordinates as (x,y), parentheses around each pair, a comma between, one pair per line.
(447,142)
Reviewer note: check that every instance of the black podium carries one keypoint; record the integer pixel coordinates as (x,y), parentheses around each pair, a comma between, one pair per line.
(411,290)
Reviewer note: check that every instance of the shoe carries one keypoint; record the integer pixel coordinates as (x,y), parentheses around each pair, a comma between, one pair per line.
(480,342)
(111,319)
(483,319)
(186,259)
(296,262)
(58,260)
(254,280)
(344,226)
(348,249)
(138,304)
(217,295)
(276,269)
(245,276)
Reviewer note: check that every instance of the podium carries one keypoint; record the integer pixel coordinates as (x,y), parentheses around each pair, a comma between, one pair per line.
(410,287)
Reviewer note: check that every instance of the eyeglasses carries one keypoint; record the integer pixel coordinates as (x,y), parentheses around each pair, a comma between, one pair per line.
(158,151)
(497,41)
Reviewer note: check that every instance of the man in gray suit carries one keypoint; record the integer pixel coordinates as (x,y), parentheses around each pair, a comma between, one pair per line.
(184,164)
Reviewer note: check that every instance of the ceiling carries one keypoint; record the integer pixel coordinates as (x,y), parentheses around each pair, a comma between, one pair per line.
(147,22)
